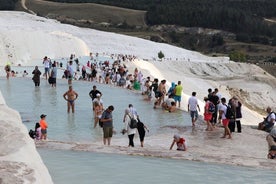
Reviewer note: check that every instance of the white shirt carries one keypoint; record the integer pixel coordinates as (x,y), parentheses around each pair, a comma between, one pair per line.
(46,63)
(169,101)
(133,111)
(71,70)
(192,103)
(127,122)
(271,116)
(224,109)
(99,100)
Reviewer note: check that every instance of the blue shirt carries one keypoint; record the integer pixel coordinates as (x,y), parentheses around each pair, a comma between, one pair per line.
(107,115)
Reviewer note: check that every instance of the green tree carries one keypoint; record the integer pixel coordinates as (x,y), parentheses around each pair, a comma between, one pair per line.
(237,56)
(161,55)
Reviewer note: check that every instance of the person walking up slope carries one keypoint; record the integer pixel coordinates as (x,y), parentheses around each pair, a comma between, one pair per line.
(130,131)
(225,121)
(192,107)
(141,130)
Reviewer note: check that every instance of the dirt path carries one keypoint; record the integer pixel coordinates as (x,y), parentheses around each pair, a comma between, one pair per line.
(23,3)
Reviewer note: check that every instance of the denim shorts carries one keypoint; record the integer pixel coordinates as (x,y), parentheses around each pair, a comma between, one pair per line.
(177,98)
(194,114)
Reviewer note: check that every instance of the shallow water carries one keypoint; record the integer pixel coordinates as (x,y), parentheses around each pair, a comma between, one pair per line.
(85,167)
(30,101)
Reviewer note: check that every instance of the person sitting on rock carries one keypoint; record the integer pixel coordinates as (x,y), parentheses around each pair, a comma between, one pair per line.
(268,123)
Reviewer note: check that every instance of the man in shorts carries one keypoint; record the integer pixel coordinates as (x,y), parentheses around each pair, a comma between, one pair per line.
(192,107)
(178,92)
(46,62)
(43,124)
(107,125)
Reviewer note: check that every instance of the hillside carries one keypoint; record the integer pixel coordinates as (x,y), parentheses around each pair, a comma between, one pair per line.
(132,22)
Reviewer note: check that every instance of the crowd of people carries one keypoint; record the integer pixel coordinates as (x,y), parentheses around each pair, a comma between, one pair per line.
(217,110)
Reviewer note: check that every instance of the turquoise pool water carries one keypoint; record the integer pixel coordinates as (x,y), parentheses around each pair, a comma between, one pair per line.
(30,101)
(67,166)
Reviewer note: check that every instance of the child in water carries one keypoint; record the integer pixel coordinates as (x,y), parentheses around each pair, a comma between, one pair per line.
(180,142)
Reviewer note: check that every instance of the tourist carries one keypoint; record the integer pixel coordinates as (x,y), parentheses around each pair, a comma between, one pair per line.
(192,107)
(238,115)
(70,96)
(133,110)
(93,93)
(70,72)
(25,73)
(46,62)
(154,87)
(130,131)
(168,102)
(8,70)
(172,108)
(107,121)
(160,93)
(98,110)
(171,90)
(268,122)
(141,127)
(207,115)
(38,133)
(53,75)
(215,100)
(225,121)
(180,143)
(178,93)
(36,76)
(43,124)
(83,72)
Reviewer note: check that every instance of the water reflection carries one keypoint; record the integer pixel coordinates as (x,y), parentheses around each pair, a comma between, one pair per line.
(36,98)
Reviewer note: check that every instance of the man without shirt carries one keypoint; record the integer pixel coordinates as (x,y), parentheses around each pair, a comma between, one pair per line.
(70,96)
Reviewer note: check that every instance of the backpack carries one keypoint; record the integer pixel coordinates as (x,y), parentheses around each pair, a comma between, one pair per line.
(100,123)
(133,122)
(32,134)
(229,113)
(211,107)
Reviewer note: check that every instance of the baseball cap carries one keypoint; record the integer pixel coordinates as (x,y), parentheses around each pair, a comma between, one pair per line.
(42,115)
